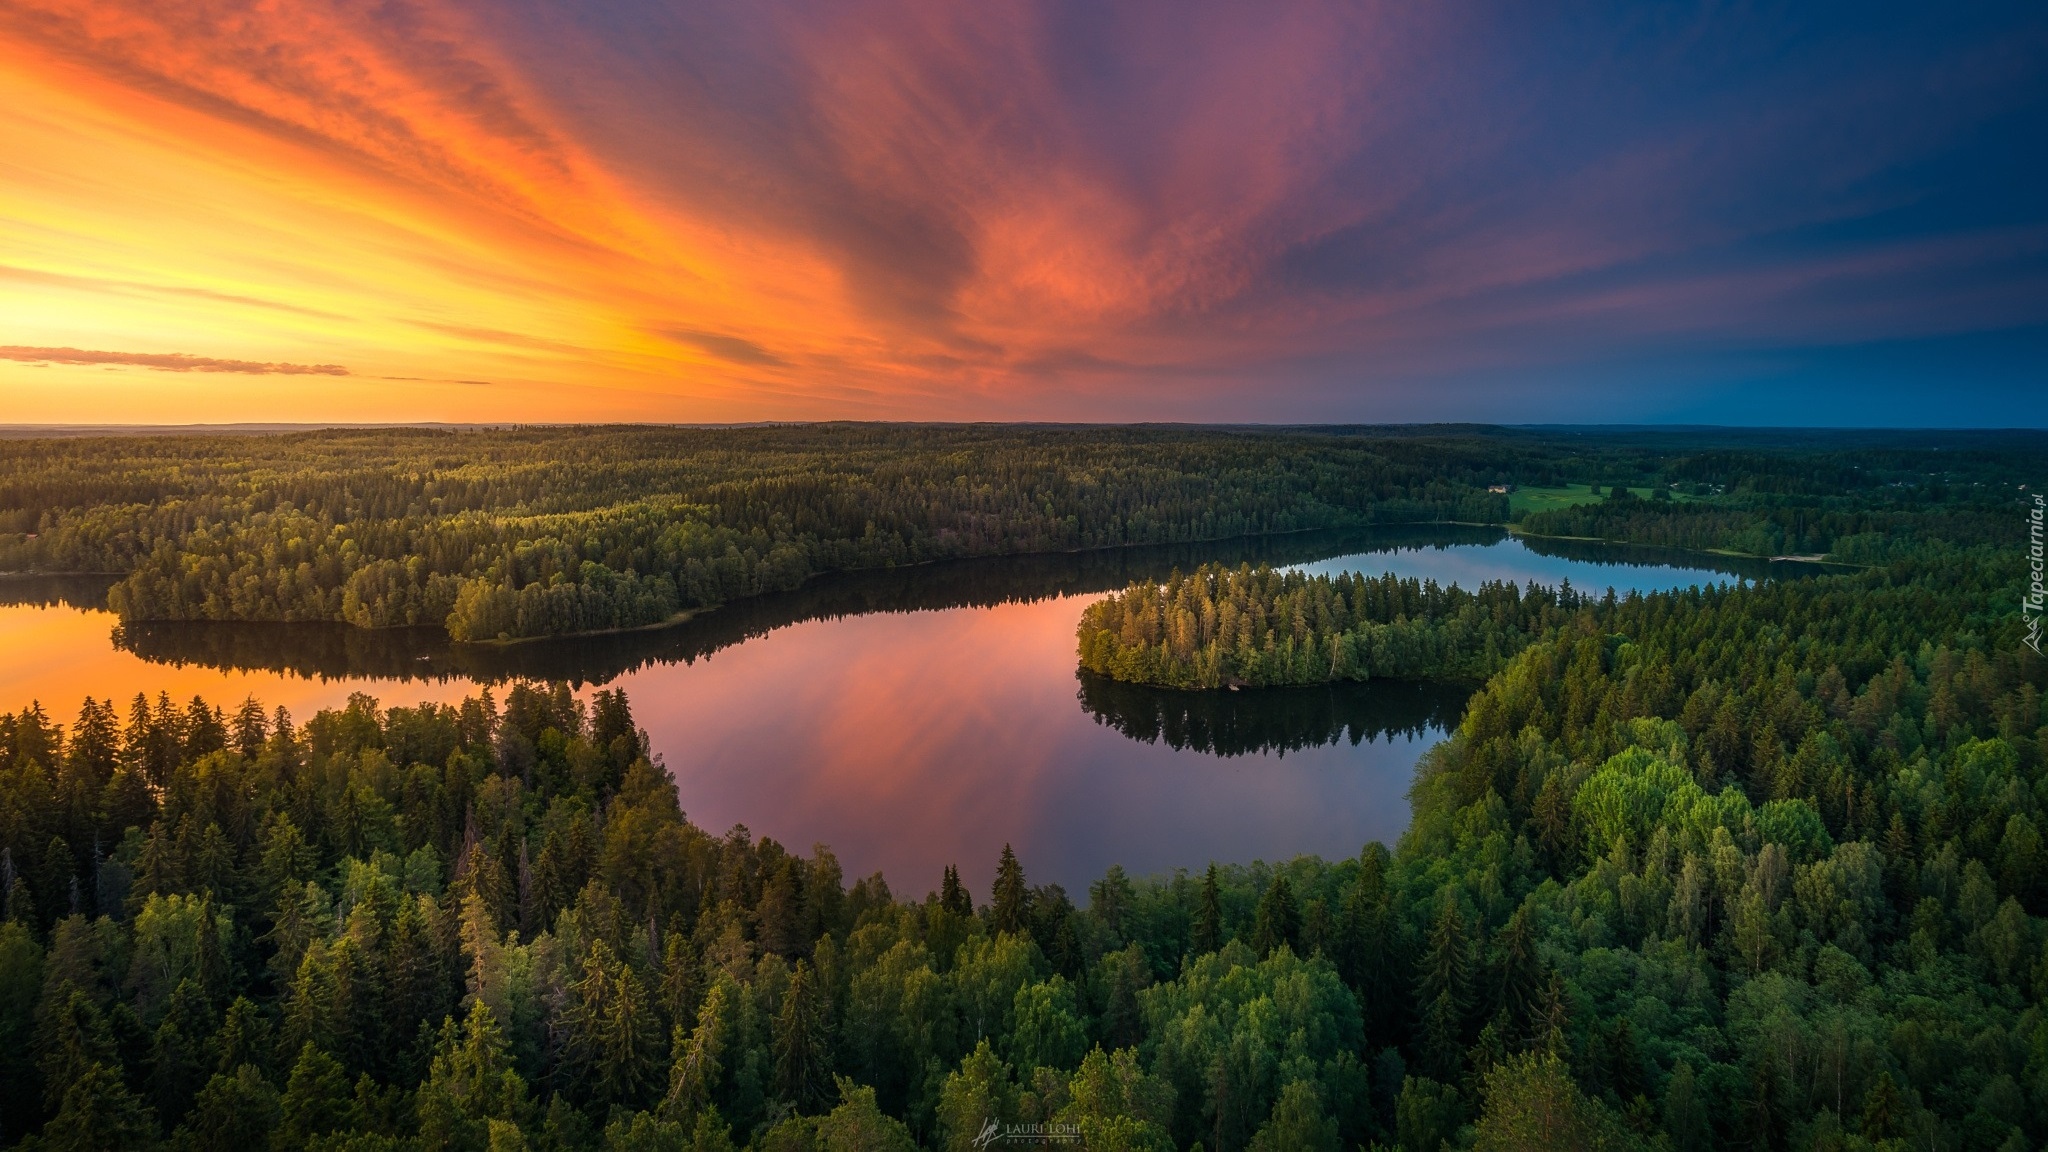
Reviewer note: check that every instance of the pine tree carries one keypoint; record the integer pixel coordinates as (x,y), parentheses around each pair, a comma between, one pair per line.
(316,1098)
(1884,1109)
(178,1067)
(243,1038)
(613,1043)
(953,895)
(470,1082)
(1207,936)
(682,984)
(803,1057)
(778,918)
(1554,1021)
(236,1110)
(1518,974)
(96,1113)
(1009,903)
(698,1058)
(1444,988)
(1278,922)
(416,980)
(73,1037)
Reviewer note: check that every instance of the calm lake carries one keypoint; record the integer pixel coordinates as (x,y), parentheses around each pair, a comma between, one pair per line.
(910,718)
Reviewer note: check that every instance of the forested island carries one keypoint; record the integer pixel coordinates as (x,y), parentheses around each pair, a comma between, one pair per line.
(1220,627)
(502,534)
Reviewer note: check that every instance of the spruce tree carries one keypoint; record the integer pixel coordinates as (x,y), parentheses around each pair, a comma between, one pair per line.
(613,1046)
(1518,974)
(1278,921)
(1444,989)
(953,895)
(1207,936)
(1009,903)
(803,1055)
(97,1113)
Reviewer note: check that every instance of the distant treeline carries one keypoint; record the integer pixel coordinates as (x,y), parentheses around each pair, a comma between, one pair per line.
(1844,528)
(512,534)
(538,532)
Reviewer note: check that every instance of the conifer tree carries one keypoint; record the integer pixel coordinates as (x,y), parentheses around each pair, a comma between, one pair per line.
(316,1097)
(97,1112)
(613,1042)
(1009,903)
(953,895)
(1278,922)
(803,1057)
(1518,974)
(1443,986)
(1207,935)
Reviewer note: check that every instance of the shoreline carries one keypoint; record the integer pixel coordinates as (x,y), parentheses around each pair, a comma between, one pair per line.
(1510,528)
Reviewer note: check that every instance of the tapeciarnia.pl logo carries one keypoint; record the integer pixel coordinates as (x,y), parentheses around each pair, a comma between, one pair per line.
(2036,600)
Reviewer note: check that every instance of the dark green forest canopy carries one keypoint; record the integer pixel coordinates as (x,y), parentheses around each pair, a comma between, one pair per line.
(1259,628)
(1755,868)
(546,531)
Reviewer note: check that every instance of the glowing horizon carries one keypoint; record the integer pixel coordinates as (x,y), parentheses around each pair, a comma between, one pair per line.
(423,210)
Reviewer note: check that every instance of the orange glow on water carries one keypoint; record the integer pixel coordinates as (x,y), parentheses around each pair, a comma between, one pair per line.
(60,656)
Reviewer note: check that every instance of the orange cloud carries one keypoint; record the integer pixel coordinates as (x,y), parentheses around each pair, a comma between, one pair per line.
(166,361)
(748,209)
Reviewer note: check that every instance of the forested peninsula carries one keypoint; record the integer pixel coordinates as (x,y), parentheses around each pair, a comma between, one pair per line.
(513,533)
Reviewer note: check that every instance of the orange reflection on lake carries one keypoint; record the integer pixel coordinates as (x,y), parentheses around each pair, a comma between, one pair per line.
(909,718)
(911,741)
(59,655)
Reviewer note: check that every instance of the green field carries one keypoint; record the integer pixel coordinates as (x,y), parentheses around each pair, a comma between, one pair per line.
(1547,499)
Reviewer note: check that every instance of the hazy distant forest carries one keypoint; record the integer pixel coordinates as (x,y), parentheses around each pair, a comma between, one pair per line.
(513,534)
(1745,868)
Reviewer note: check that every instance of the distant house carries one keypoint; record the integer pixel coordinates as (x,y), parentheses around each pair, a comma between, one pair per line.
(1501,488)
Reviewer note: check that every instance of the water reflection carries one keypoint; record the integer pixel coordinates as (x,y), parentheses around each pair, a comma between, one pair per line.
(911,718)
(1276,720)
(62,591)
(338,651)
(1652,557)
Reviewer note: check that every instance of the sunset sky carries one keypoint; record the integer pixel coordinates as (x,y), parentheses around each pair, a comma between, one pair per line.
(713,210)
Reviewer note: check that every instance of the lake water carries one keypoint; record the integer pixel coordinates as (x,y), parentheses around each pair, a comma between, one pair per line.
(909,718)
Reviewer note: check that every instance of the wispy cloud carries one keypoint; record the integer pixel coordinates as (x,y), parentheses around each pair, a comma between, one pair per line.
(1039,208)
(166,361)
(105,284)
(736,349)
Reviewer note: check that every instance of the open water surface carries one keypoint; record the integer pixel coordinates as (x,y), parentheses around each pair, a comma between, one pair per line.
(910,718)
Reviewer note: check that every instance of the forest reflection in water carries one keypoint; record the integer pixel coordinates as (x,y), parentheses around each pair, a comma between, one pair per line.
(1275,720)
(909,717)
(337,651)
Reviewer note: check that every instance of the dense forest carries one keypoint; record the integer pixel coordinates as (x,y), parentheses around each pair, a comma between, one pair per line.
(1736,868)
(1751,867)
(1257,627)
(512,533)
(508,534)
(1850,531)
